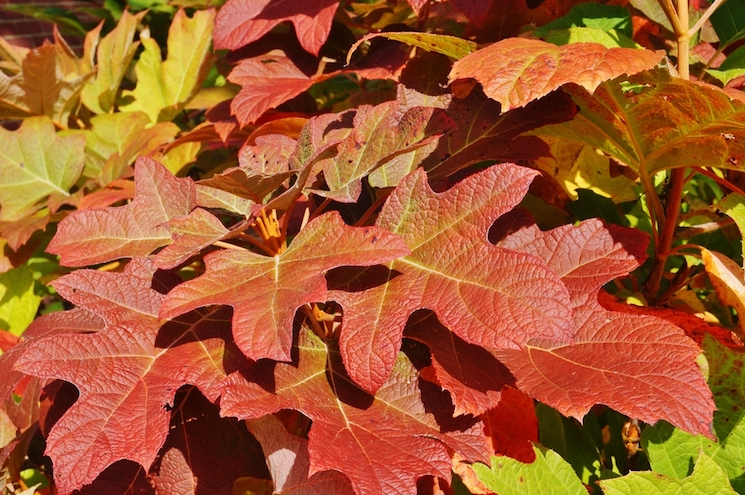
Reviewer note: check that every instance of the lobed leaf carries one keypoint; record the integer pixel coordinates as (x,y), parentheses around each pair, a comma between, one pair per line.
(266,291)
(96,236)
(648,370)
(484,294)
(516,71)
(164,87)
(138,364)
(347,434)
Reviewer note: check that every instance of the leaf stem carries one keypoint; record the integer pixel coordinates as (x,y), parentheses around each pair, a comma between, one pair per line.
(370,211)
(692,32)
(672,16)
(667,232)
(227,245)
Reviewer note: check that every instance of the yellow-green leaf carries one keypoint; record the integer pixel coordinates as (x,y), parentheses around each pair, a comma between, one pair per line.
(34,164)
(18,303)
(164,87)
(113,56)
(451,46)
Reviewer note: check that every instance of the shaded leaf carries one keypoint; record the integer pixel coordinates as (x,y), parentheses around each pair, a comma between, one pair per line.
(470,373)
(204,452)
(289,462)
(452,270)
(648,370)
(164,87)
(592,15)
(517,71)
(35,164)
(347,433)
(728,21)
(480,133)
(707,479)
(95,236)
(242,21)
(508,476)
(266,291)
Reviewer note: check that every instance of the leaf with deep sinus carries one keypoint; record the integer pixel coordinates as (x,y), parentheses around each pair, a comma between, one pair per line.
(656,122)
(96,236)
(164,87)
(516,71)
(138,364)
(484,294)
(266,291)
(36,163)
(382,443)
(648,368)
(380,133)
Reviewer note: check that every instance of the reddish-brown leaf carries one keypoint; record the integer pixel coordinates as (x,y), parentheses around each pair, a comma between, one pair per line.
(382,443)
(639,365)
(204,453)
(512,426)
(516,71)
(484,294)
(266,291)
(96,236)
(480,133)
(240,22)
(289,462)
(139,365)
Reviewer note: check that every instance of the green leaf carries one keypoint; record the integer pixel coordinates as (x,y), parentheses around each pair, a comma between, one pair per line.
(729,22)
(548,472)
(671,452)
(18,303)
(734,207)
(34,164)
(731,68)
(609,39)
(707,479)
(591,15)
(113,57)
(570,439)
(164,87)
(451,46)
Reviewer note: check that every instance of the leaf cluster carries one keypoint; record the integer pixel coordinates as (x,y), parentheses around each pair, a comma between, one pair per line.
(373,247)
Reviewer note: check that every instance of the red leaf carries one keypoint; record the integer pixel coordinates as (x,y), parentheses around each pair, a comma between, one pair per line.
(484,294)
(240,22)
(471,374)
(190,235)
(289,462)
(96,236)
(138,365)
(381,443)
(516,71)
(639,365)
(204,452)
(266,291)
(512,426)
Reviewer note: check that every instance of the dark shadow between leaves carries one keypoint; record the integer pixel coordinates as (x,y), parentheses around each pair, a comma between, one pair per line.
(359,278)
(200,325)
(343,386)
